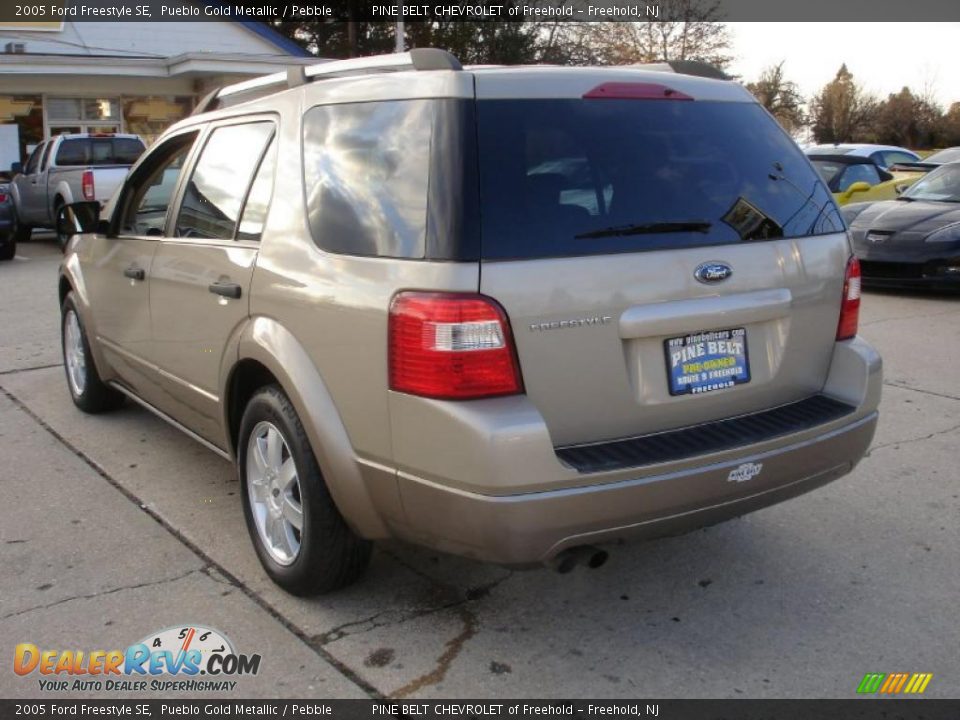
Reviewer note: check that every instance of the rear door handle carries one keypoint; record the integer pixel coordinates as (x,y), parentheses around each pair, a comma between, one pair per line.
(134,273)
(227,289)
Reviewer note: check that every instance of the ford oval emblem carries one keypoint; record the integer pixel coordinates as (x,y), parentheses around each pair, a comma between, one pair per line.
(712,272)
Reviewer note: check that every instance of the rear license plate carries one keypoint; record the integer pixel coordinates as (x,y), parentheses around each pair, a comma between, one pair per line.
(707,361)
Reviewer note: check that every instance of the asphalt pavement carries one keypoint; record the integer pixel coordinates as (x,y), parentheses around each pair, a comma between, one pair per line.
(115,526)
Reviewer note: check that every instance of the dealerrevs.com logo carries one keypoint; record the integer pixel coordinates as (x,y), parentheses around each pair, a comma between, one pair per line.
(172,660)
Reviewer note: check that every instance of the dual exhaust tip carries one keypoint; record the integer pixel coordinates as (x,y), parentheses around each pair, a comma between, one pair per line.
(585,555)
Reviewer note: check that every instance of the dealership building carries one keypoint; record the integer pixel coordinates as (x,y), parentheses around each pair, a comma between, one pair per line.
(134,77)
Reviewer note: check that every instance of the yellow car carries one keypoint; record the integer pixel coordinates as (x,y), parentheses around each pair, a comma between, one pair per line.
(858,179)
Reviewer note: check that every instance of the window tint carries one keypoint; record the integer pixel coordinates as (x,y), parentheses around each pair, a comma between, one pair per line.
(829,170)
(258,200)
(858,173)
(148,193)
(576,177)
(99,151)
(34,161)
(216,190)
(366,174)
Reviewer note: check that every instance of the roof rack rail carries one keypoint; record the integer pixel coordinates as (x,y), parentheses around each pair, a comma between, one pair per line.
(698,68)
(416,59)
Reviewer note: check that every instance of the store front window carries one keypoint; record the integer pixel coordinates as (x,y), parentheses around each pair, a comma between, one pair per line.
(83,115)
(150,116)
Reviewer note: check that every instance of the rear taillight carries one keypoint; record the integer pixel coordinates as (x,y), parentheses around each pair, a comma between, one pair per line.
(3,197)
(87,184)
(451,346)
(850,304)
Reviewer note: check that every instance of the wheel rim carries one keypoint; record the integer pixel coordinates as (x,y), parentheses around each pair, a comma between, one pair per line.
(74,355)
(273,487)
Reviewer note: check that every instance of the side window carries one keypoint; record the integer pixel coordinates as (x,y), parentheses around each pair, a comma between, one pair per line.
(858,173)
(218,186)
(366,169)
(46,157)
(258,200)
(148,193)
(34,162)
(895,156)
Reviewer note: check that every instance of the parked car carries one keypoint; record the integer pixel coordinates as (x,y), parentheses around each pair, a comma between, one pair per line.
(852,178)
(883,156)
(915,239)
(508,313)
(66,169)
(8,246)
(930,162)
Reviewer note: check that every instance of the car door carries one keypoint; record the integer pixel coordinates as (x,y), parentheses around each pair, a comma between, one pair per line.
(116,266)
(31,195)
(202,269)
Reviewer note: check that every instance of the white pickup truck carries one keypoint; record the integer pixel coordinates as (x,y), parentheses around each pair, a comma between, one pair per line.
(66,169)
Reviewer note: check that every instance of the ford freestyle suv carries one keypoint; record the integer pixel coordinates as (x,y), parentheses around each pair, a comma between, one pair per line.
(506,312)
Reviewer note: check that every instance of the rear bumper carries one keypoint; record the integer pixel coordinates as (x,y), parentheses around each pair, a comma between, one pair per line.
(532,528)
(515,503)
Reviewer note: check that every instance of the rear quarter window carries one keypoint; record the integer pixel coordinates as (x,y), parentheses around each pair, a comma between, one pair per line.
(366,170)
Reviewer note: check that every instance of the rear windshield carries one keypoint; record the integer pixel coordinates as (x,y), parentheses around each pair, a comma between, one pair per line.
(579,177)
(99,151)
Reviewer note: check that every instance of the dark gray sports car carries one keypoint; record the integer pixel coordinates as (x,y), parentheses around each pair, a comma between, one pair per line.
(915,239)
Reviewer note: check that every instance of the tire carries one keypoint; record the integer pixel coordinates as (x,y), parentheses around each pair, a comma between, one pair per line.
(88,391)
(323,554)
(62,240)
(8,249)
(20,232)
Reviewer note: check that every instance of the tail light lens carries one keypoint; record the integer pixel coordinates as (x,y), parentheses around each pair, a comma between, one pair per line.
(451,346)
(3,197)
(850,304)
(87,183)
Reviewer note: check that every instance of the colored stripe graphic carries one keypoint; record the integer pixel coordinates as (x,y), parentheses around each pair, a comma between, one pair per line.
(871,682)
(894,683)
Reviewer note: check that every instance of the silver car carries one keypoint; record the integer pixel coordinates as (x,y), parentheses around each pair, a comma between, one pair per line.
(509,313)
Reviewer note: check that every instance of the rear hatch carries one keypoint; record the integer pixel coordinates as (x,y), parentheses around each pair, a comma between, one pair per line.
(664,260)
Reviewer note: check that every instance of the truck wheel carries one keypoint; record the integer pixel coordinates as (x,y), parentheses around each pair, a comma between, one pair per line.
(20,232)
(62,239)
(300,537)
(88,391)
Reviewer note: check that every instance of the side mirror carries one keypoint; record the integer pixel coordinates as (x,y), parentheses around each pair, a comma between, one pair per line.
(16,168)
(899,189)
(80,217)
(857,187)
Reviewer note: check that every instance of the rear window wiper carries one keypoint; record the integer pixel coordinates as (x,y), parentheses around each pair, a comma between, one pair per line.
(646,229)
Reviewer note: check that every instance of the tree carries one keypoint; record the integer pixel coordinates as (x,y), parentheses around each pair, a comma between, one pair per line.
(781,97)
(842,111)
(908,120)
(949,131)
(686,30)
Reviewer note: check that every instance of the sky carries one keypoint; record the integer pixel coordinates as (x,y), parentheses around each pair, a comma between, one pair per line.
(883,57)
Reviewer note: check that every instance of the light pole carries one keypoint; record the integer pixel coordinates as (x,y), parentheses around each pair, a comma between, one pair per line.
(398,46)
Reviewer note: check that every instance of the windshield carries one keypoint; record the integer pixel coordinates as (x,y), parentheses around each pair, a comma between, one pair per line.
(942,184)
(578,177)
(944,156)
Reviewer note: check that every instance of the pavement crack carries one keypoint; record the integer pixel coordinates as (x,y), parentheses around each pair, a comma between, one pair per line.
(14,371)
(919,316)
(904,386)
(111,591)
(912,440)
